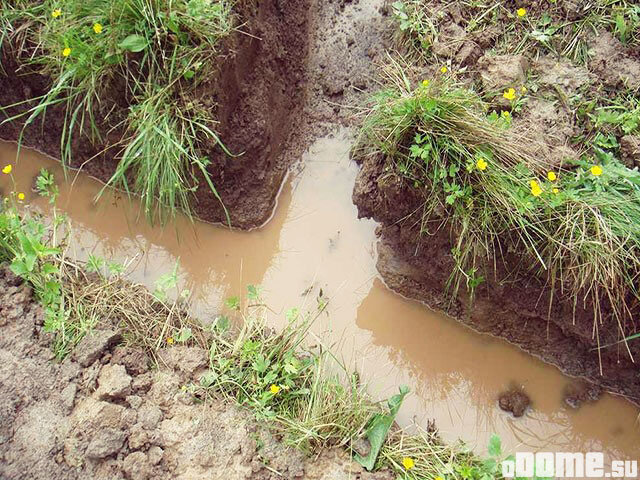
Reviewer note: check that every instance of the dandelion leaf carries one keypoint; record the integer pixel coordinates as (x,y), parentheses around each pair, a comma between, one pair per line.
(378,429)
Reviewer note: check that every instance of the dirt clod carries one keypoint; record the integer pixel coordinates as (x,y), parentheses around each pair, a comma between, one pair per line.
(113,383)
(93,345)
(514,401)
(630,150)
(502,71)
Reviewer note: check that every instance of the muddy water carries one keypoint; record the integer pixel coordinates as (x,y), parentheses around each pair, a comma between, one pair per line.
(313,243)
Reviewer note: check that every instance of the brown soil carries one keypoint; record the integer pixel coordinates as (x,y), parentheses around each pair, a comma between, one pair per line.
(283,81)
(256,95)
(103,413)
(514,308)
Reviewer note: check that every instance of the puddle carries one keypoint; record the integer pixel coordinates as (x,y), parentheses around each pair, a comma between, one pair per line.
(314,241)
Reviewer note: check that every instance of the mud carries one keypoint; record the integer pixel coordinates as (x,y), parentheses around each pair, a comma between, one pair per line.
(315,243)
(256,95)
(516,309)
(105,414)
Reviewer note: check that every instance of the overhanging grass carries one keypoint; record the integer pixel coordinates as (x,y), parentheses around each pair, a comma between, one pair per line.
(579,232)
(94,49)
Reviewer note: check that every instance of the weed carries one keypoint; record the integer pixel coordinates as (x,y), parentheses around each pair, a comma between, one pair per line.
(158,50)
(576,228)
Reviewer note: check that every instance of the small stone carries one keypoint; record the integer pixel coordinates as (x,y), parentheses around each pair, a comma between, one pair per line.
(107,442)
(155,455)
(514,401)
(93,345)
(136,466)
(113,383)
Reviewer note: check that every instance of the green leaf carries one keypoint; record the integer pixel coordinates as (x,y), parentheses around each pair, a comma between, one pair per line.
(378,429)
(134,43)
(184,335)
(495,446)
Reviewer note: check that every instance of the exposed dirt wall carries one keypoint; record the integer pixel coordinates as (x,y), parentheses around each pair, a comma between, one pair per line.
(256,94)
(515,309)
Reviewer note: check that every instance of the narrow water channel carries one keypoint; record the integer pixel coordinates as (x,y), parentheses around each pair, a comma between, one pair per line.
(315,241)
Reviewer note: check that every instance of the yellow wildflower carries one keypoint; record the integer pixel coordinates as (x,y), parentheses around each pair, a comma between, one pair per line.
(482,164)
(506,113)
(521,12)
(183,388)
(66,52)
(510,94)
(21,196)
(7,169)
(438,478)
(523,89)
(536,191)
(425,83)
(596,170)
(97,27)
(170,340)
(444,69)
(408,463)
(56,13)
(275,389)
(552,176)
(555,190)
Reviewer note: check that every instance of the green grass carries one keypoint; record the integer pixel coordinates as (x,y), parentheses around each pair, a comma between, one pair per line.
(151,53)
(580,234)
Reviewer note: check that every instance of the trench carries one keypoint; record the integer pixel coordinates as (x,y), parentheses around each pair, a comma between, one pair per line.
(315,243)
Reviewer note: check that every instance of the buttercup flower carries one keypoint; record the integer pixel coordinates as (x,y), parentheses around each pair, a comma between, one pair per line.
(275,389)
(56,13)
(425,83)
(21,196)
(170,340)
(536,191)
(408,463)
(506,113)
(521,12)
(66,52)
(97,27)
(444,69)
(510,94)
(596,170)
(552,176)
(523,89)
(482,164)
(7,169)
(555,190)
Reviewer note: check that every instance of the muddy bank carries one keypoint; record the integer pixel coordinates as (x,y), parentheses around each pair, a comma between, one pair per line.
(256,94)
(289,75)
(106,413)
(418,266)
